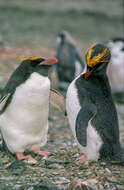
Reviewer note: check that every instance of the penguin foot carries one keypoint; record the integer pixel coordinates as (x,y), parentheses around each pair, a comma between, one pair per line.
(21,156)
(42,153)
(82,158)
(79,183)
(100,181)
(76,183)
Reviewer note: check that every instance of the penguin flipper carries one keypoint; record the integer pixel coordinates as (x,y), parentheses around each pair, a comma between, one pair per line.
(57,100)
(3,100)
(85,114)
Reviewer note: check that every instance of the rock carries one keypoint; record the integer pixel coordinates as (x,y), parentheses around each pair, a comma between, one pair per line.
(45,186)
(89,186)
(55,166)
(17,167)
(30,161)
(62,180)
(108,171)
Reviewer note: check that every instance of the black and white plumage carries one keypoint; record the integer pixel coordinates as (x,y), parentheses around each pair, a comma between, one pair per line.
(25,105)
(91,111)
(70,63)
(116,68)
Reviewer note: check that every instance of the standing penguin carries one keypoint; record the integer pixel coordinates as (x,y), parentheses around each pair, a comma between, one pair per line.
(24,107)
(116,68)
(91,111)
(70,64)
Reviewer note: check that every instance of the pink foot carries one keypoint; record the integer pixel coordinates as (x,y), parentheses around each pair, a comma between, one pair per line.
(79,183)
(21,156)
(76,183)
(100,180)
(42,153)
(82,158)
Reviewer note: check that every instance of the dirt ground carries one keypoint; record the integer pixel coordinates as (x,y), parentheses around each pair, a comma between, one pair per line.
(29,29)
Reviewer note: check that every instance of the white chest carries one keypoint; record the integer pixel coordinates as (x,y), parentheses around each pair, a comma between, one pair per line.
(26,118)
(93,139)
(30,98)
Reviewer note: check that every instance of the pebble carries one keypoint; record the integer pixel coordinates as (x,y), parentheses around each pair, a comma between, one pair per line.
(107,170)
(55,166)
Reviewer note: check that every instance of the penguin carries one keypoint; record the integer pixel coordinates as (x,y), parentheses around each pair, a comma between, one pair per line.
(116,68)
(70,63)
(24,107)
(91,111)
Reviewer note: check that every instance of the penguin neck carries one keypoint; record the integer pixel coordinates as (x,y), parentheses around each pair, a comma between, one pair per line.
(44,71)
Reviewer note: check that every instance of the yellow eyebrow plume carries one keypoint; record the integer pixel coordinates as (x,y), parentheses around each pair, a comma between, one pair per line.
(96,59)
(29,58)
(88,55)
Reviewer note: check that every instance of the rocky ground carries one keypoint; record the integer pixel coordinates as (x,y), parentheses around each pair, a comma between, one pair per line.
(60,170)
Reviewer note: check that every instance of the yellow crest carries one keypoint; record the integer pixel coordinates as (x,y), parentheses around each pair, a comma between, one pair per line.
(96,59)
(29,58)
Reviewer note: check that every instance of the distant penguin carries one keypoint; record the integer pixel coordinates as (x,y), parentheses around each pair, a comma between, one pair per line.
(70,64)
(24,107)
(91,111)
(116,68)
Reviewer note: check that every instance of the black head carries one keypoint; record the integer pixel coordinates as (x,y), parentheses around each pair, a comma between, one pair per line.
(65,38)
(116,42)
(118,39)
(61,37)
(97,59)
(38,64)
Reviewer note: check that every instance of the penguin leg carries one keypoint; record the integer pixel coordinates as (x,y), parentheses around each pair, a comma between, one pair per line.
(42,153)
(21,156)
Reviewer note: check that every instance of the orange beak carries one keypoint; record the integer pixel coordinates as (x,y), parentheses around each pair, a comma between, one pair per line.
(50,61)
(87,74)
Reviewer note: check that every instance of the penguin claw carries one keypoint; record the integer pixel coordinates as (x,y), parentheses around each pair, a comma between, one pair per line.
(42,153)
(82,158)
(21,156)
